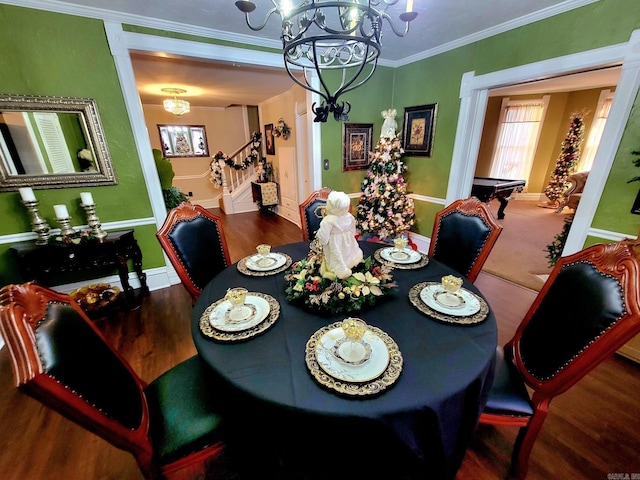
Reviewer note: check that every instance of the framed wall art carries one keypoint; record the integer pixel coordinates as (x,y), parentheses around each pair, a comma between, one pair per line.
(269,140)
(356,145)
(417,130)
(183,140)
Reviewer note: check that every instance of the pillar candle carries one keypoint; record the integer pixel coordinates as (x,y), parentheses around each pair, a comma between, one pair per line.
(61,211)
(27,194)
(86,198)
(409,6)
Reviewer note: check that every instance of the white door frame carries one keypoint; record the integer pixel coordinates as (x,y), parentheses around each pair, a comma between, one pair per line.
(474,93)
(122,42)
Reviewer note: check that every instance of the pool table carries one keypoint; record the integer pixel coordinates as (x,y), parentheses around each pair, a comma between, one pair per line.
(486,189)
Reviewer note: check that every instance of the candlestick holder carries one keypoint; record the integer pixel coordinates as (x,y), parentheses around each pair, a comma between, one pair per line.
(39,224)
(66,230)
(93,221)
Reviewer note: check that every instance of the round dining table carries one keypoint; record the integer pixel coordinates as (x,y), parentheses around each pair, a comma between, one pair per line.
(426,418)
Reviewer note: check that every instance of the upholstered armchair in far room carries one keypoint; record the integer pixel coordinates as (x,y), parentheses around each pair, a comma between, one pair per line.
(571,197)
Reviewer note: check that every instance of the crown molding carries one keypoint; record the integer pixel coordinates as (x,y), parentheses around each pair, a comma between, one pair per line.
(141,21)
(498,29)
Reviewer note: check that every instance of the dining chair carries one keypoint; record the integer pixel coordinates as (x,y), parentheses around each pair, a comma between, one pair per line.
(312,211)
(61,359)
(463,235)
(194,241)
(587,309)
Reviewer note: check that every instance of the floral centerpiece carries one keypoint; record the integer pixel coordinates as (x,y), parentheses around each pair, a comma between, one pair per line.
(368,283)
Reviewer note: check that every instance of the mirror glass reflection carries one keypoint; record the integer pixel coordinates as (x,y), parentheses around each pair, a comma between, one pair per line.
(52,142)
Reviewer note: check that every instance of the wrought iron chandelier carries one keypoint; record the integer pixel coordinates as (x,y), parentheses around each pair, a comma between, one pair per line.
(175,105)
(331,35)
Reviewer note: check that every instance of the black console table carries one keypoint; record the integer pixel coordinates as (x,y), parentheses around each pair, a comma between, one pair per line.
(43,262)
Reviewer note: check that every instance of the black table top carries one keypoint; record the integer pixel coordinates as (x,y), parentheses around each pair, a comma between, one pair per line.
(433,407)
(496,182)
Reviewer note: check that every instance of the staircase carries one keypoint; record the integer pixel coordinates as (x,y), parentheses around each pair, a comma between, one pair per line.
(236,182)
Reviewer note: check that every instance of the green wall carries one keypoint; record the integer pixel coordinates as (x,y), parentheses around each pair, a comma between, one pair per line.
(62,55)
(437,80)
(46,53)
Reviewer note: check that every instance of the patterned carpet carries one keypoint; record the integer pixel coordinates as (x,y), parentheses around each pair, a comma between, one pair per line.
(520,254)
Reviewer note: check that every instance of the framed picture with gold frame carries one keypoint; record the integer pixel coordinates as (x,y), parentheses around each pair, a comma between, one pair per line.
(417,130)
(356,145)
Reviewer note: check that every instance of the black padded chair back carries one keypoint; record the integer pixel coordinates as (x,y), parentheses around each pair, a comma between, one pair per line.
(313,216)
(76,357)
(460,240)
(580,305)
(198,244)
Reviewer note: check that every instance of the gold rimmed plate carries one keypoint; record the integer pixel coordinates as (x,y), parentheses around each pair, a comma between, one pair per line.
(371,377)
(473,311)
(406,258)
(274,262)
(214,320)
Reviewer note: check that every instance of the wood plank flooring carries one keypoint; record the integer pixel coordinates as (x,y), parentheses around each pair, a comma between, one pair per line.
(592,430)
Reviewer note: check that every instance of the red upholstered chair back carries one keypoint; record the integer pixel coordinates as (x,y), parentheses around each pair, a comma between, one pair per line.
(194,241)
(463,235)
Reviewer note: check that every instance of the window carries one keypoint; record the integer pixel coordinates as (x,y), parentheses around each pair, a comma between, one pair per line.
(517,138)
(595,133)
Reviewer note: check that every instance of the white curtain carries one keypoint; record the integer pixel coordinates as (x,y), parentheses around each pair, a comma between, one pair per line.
(517,139)
(593,140)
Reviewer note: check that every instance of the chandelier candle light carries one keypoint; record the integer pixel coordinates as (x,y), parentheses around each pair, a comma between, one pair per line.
(175,105)
(326,35)
(39,225)
(86,202)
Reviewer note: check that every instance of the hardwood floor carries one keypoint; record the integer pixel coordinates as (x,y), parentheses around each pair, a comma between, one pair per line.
(592,430)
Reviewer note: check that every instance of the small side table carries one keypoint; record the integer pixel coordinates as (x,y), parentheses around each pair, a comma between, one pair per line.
(43,262)
(265,194)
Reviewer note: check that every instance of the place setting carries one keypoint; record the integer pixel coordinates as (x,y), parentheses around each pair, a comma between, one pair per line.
(448,302)
(264,262)
(353,358)
(240,315)
(400,256)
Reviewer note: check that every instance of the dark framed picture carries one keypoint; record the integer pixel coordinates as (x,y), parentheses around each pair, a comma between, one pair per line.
(635,209)
(417,130)
(183,140)
(269,140)
(356,145)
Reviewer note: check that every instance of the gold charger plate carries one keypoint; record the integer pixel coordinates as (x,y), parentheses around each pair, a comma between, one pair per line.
(245,270)
(230,336)
(372,387)
(424,260)
(474,319)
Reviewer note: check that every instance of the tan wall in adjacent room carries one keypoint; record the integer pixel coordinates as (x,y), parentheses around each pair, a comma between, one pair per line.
(226,131)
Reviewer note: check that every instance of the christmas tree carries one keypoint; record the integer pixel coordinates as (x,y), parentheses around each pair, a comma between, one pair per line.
(567,160)
(384,209)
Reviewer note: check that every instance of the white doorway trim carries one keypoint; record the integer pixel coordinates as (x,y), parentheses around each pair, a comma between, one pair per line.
(474,92)
(122,42)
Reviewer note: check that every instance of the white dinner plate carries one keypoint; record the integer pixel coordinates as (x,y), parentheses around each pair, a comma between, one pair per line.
(269,262)
(341,370)
(406,255)
(251,314)
(432,296)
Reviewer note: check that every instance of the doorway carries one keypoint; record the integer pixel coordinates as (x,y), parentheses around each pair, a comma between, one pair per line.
(474,94)
(521,254)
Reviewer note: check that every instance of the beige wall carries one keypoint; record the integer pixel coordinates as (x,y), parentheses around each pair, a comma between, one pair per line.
(226,131)
(554,130)
(283,106)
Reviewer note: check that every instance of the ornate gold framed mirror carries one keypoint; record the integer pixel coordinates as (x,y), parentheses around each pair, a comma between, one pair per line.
(52,142)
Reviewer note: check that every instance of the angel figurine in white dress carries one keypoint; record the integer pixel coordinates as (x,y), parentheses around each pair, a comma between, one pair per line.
(340,250)
(389,125)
